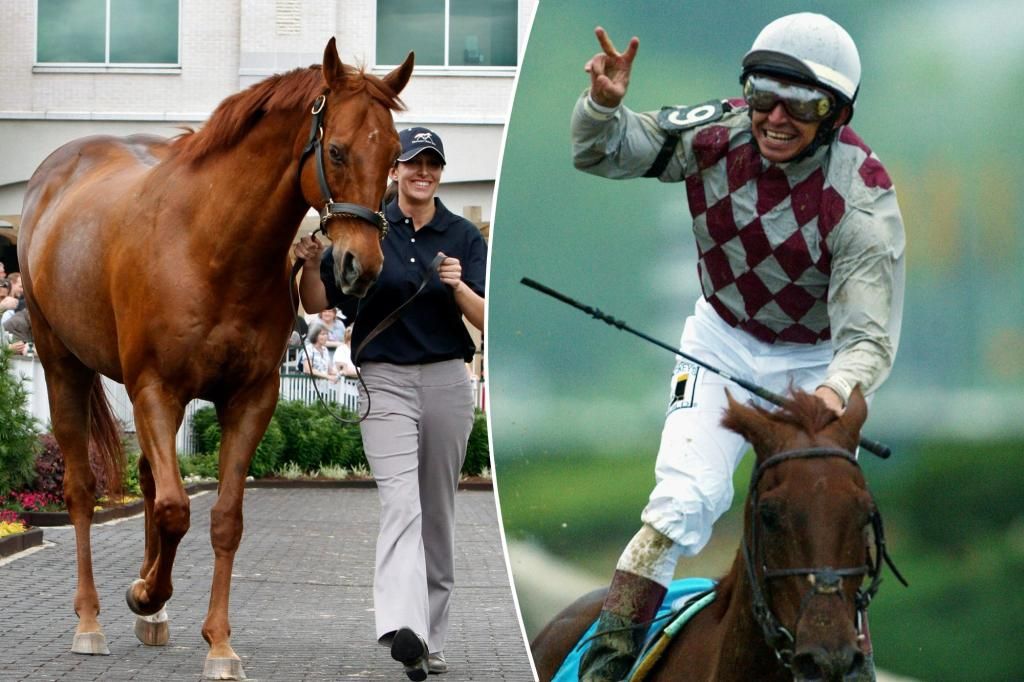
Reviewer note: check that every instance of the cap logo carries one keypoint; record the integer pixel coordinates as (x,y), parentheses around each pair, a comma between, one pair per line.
(423,138)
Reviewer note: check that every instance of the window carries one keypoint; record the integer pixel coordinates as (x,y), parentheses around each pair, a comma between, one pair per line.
(454,33)
(107,32)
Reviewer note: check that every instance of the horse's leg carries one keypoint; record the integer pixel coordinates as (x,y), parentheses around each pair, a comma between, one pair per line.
(151,630)
(68,383)
(157,417)
(243,420)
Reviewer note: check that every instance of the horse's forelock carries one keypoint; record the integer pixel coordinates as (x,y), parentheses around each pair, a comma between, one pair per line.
(806,411)
(235,116)
(802,410)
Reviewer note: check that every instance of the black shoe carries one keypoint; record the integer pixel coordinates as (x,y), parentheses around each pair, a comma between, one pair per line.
(410,650)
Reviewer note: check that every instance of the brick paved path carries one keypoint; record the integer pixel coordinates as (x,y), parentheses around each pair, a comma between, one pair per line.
(301,603)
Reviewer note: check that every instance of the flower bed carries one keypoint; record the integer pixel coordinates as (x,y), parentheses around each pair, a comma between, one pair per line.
(15,535)
(102,514)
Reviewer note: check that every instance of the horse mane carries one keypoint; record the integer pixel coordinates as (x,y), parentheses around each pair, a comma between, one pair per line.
(238,114)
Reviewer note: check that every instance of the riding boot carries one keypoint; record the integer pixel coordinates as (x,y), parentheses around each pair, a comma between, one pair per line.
(631,602)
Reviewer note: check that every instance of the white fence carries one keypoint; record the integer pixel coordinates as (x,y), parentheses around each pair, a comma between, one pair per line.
(293,387)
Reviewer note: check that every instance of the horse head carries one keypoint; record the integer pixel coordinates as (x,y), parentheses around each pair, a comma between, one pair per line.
(805,541)
(354,143)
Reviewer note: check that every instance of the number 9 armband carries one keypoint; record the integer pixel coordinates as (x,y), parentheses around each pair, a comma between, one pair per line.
(673,121)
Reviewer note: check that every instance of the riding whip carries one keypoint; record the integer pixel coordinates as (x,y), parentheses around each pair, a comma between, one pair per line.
(868,444)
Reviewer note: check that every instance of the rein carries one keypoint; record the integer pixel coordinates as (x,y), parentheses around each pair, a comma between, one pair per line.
(390,319)
(824,580)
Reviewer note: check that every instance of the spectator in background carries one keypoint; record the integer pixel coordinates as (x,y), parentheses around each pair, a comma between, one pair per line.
(317,359)
(7,302)
(329,320)
(16,347)
(343,356)
(15,313)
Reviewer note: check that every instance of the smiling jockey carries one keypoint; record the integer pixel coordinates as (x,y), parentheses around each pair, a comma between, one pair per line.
(800,257)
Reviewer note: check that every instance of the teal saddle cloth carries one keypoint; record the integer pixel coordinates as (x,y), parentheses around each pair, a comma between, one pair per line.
(679,592)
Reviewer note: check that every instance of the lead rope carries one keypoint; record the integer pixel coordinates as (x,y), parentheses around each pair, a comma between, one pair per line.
(391,318)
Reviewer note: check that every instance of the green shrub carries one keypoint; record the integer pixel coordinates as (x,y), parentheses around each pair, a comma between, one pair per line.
(309,437)
(292,417)
(207,434)
(203,464)
(130,480)
(268,452)
(18,431)
(206,439)
(478,456)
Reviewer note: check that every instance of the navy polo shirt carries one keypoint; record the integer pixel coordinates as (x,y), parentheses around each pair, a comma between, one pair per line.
(431,329)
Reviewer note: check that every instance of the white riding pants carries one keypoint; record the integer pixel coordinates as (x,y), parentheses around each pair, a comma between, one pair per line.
(698,456)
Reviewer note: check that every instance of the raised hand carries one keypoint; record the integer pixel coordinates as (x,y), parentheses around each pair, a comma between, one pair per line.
(609,70)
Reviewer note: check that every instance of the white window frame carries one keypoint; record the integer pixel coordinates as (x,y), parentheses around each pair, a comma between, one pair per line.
(106,66)
(445,69)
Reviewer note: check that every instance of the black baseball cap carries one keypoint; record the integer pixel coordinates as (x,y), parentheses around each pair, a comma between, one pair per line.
(417,140)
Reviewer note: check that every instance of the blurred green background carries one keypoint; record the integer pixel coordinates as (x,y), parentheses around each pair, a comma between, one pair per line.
(576,407)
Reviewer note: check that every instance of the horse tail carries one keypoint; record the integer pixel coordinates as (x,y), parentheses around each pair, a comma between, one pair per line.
(105,436)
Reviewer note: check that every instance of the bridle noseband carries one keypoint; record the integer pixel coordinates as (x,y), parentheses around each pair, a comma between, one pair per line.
(824,580)
(333,209)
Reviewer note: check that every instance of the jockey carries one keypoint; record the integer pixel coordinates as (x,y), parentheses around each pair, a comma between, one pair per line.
(800,258)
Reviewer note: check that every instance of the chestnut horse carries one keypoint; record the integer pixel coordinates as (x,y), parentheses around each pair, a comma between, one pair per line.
(793,605)
(164,264)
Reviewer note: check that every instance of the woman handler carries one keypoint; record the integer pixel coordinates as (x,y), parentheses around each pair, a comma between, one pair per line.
(421,400)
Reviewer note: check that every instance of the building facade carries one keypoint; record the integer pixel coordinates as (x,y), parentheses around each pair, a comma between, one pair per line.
(70,68)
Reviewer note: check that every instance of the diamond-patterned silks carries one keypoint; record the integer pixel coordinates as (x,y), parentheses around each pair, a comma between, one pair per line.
(762,231)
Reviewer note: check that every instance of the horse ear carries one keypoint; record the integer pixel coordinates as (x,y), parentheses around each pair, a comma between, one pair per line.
(854,416)
(751,423)
(397,79)
(334,70)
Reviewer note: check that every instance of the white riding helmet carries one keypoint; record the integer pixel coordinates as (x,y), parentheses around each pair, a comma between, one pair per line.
(810,48)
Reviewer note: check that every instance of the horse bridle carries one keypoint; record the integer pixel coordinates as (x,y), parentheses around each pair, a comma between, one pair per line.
(332,208)
(824,580)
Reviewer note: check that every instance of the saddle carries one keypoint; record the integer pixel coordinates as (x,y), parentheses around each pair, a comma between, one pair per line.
(684,599)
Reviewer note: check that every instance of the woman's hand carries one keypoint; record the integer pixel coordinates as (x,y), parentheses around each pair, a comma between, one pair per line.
(450,272)
(309,248)
(470,304)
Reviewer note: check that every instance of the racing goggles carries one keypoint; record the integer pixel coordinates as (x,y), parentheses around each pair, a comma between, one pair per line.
(803,103)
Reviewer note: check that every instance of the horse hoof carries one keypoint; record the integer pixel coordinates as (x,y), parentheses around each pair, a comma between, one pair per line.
(90,643)
(133,603)
(153,630)
(223,669)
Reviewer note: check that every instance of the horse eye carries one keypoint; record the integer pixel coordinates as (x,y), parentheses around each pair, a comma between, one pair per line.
(337,153)
(771,517)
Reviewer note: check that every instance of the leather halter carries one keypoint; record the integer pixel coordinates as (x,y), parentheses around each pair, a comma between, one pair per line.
(824,580)
(333,209)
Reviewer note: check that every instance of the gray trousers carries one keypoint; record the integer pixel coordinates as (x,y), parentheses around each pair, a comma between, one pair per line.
(415,442)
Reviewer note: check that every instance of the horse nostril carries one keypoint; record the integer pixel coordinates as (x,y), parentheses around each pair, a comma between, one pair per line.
(822,664)
(805,667)
(350,269)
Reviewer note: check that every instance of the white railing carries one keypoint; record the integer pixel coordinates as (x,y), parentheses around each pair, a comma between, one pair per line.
(293,387)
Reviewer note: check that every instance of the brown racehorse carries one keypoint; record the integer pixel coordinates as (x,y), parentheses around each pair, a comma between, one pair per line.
(792,604)
(164,264)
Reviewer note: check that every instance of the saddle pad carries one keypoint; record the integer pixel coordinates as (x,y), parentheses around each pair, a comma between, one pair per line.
(678,593)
